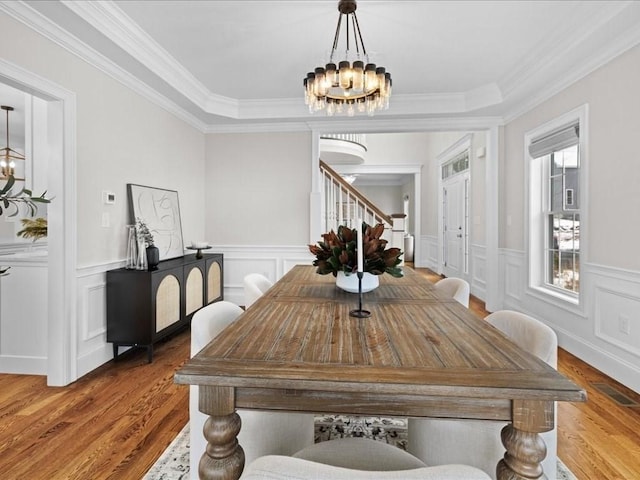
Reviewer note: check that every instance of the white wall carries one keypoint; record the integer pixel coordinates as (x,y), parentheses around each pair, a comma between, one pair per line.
(257,194)
(387,198)
(610,265)
(121,138)
(257,188)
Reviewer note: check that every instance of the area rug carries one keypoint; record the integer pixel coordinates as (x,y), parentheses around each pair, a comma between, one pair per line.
(173,464)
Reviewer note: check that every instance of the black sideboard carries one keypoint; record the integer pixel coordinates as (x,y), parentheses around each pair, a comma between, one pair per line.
(144,307)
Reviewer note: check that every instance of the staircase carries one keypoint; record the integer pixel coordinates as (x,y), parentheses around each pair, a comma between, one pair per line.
(343,204)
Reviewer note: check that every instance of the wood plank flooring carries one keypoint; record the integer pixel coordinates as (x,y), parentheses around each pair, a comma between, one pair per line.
(116,421)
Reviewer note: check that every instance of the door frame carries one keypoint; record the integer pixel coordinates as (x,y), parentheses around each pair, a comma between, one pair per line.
(62,225)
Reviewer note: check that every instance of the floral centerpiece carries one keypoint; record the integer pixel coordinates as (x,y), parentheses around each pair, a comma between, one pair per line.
(337,252)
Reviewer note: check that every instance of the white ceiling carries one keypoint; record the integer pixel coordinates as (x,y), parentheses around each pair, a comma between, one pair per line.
(225,64)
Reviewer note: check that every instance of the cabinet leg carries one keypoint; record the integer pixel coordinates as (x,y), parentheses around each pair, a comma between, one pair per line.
(150,353)
(115,352)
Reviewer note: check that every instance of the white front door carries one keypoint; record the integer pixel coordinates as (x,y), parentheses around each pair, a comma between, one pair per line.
(454,208)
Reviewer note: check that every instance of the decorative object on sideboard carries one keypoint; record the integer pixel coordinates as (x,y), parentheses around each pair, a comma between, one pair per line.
(132,248)
(349,82)
(145,238)
(160,210)
(8,155)
(198,246)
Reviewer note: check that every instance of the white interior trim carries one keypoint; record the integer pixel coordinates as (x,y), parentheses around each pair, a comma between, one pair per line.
(62,347)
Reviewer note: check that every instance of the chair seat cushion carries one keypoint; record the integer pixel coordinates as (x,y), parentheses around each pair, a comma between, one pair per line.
(360,454)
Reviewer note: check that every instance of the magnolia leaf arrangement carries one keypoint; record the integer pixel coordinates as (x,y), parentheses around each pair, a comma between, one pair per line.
(11,201)
(337,252)
(143,232)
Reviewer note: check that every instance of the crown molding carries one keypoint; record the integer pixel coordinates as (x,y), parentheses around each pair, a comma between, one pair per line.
(560,45)
(113,23)
(33,19)
(364,125)
(597,54)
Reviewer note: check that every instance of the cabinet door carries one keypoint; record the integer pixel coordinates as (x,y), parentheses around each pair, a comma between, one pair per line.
(193,288)
(214,280)
(167,302)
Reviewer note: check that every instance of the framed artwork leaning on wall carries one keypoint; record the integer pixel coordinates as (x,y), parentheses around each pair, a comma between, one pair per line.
(159,209)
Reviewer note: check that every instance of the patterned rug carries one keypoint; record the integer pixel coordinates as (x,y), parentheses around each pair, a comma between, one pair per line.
(174,462)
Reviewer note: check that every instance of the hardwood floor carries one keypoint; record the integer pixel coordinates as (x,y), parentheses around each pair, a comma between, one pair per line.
(111,424)
(116,421)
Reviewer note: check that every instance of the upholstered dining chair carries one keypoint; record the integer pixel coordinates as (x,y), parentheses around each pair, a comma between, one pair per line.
(475,442)
(255,284)
(262,433)
(275,467)
(454,287)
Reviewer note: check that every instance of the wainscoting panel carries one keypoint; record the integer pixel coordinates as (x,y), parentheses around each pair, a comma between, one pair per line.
(271,261)
(429,253)
(92,347)
(514,276)
(478,267)
(616,305)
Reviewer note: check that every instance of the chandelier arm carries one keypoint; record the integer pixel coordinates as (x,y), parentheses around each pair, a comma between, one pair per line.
(336,38)
(357,29)
(348,33)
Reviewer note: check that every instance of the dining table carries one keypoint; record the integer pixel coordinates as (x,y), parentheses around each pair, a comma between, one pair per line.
(419,354)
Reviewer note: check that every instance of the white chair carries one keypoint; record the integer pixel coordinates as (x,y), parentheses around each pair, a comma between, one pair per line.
(288,468)
(475,442)
(255,285)
(262,433)
(456,288)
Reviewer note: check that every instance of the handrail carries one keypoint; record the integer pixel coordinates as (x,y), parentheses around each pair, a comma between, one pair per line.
(354,192)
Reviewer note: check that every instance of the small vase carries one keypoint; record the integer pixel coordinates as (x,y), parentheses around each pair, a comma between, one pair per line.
(141,261)
(132,248)
(349,283)
(153,257)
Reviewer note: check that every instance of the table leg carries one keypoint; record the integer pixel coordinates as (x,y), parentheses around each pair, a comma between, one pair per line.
(224,457)
(525,447)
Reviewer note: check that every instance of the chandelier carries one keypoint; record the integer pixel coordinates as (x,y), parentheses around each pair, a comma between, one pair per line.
(354,84)
(8,156)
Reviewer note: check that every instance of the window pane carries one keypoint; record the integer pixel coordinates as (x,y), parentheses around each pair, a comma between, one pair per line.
(572,184)
(566,232)
(566,271)
(556,194)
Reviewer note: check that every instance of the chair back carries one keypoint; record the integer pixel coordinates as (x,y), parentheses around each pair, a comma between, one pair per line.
(209,321)
(455,287)
(528,333)
(255,284)
(277,467)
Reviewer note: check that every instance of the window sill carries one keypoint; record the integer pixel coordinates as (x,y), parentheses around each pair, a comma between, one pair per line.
(554,297)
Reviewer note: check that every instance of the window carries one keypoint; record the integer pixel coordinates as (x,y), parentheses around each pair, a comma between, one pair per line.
(556,154)
(563,220)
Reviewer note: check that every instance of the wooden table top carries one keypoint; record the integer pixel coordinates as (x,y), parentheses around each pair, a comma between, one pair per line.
(299,336)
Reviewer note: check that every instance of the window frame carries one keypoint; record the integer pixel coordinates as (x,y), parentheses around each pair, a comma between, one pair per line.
(537,190)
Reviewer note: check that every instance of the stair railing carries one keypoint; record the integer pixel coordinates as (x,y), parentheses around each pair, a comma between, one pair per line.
(343,204)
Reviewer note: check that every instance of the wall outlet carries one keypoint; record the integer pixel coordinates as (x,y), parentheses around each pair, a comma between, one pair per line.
(624,325)
(106,220)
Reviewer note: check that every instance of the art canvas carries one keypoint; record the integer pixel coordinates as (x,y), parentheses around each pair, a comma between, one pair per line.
(160,210)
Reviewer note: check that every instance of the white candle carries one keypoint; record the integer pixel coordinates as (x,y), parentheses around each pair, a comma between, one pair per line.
(359,247)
